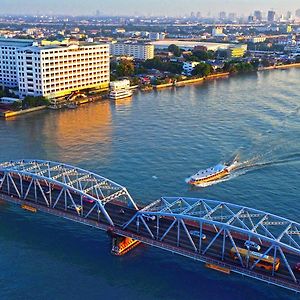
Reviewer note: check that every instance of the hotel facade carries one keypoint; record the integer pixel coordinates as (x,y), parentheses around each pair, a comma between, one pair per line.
(56,70)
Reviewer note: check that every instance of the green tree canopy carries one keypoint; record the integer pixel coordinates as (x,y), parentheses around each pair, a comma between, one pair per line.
(203,55)
(174,49)
(202,69)
(30,101)
(157,63)
(125,68)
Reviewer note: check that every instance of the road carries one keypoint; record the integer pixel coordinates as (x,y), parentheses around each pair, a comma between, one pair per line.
(121,214)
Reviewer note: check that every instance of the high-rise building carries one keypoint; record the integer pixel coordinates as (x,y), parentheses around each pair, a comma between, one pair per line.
(257,15)
(8,64)
(222,15)
(297,13)
(232,16)
(251,19)
(198,15)
(289,15)
(271,16)
(55,70)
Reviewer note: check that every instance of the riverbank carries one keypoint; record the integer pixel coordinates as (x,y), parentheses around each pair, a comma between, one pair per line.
(219,75)
(182,83)
(191,81)
(286,66)
(9,114)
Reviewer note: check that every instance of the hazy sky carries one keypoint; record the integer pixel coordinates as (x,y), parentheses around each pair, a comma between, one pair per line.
(150,7)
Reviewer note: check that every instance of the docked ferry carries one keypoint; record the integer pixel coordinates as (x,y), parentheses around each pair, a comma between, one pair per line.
(120,89)
(120,94)
(212,174)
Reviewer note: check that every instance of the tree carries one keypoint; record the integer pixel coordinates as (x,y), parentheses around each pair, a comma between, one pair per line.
(140,70)
(202,69)
(239,67)
(158,64)
(203,55)
(17,105)
(134,81)
(6,93)
(255,63)
(30,101)
(230,67)
(125,68)
(174,49)
(113,65)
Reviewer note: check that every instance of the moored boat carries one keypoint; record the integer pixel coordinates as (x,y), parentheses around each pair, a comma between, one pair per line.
(120,94)
(120,89)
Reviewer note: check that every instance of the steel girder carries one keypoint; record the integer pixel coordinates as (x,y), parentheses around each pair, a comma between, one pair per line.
(39,178)
(229,223)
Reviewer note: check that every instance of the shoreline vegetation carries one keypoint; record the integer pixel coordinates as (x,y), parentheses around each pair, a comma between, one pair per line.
(13,113)
(221,75)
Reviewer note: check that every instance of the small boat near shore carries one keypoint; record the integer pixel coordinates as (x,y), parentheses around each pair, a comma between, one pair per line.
(210,175)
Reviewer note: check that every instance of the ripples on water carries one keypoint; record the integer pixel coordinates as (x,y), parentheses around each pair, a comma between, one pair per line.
(150,145)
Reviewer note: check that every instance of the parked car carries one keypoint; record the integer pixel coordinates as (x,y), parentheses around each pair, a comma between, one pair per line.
(252,245)
(197,234)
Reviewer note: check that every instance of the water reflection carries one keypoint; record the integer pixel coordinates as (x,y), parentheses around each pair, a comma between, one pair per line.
(123,102)
(75,134)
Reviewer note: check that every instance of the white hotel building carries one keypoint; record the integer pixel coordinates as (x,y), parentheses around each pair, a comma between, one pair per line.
(136,50)
(55,70)
(8,64)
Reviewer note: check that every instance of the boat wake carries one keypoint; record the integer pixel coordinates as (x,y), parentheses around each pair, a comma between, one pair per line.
(249,165)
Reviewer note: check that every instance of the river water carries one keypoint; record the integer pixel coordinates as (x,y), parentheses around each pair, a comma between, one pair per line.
(150,144)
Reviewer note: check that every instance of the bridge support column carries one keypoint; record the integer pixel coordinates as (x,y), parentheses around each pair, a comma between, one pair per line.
(121,244)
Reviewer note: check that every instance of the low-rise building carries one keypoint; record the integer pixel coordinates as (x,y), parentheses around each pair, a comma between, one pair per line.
(235,52)
(155,36)
(190,45)
(142,51)
(188,67)
(258,39)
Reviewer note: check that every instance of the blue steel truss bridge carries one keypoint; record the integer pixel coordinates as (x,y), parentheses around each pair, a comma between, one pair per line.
(225,236)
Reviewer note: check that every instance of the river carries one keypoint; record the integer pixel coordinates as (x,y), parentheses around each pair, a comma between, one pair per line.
(150,144)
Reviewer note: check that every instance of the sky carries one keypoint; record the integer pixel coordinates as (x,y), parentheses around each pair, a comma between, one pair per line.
(143,7)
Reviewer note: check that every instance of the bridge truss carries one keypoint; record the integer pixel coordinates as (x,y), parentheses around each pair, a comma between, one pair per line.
(229,224)
(175,224)
(61,185)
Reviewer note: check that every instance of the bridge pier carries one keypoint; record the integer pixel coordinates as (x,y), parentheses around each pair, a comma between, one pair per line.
(121,244)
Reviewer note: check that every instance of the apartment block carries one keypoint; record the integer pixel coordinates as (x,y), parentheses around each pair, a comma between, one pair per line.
(136,50)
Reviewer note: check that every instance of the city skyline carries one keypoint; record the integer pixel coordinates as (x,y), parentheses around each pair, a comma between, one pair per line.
(134,7)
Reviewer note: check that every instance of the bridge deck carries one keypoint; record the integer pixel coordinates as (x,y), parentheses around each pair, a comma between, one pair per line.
(171,232)
(169,244)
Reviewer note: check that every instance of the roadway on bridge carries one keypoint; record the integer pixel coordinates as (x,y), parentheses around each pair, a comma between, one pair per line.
(121,214)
